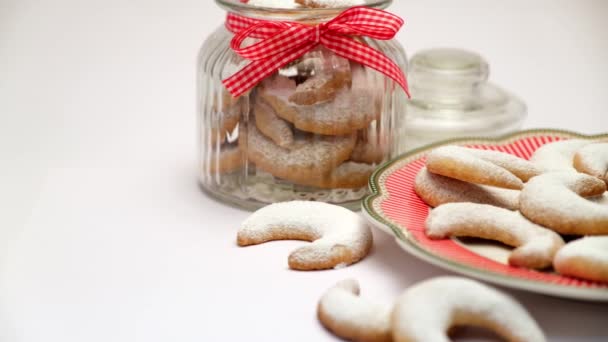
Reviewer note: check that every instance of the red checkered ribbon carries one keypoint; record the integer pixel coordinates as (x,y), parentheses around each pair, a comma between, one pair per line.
(283,42)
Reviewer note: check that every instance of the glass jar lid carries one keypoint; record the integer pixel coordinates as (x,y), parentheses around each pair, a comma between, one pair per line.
(451,97)
(446,80)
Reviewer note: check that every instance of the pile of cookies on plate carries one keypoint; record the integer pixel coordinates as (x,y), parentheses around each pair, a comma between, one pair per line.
(535,206)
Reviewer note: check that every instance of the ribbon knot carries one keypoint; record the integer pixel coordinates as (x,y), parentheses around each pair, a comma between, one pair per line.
(317,32)
(283,42)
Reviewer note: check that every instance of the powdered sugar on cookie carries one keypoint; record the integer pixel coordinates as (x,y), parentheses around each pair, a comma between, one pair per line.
(556,201)
(593,160)
(338,235)
(342,311)
(481,167)
(558,156)
(584,258)
(436,190)
(426,311)
(535,245)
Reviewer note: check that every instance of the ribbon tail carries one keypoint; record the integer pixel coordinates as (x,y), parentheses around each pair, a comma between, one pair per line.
(350,49)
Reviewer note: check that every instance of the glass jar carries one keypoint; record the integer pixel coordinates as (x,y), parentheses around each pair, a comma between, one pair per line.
(451,98)
(314,130)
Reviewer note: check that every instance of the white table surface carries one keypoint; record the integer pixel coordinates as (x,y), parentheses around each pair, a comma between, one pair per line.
(104,234)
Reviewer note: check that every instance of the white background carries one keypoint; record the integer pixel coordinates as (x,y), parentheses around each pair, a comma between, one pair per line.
(104,235)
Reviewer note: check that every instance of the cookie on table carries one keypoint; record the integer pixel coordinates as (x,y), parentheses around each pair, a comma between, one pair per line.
(338,236)
(426,312)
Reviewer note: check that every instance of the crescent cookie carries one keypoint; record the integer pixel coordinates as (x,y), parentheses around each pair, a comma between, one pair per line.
(339,236)
(436,190)
(585,258)
(426,311)
(481,166)
(349,175)
(535,245)
(593,160)
(330,74)
(351,110)
(343,312)
(306,161)
(275,128)
(371,148)
(229,118)
(557,156)
(229,159)
(556,200)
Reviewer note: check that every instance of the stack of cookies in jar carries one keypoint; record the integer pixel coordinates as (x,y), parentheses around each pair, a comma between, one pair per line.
(316,123)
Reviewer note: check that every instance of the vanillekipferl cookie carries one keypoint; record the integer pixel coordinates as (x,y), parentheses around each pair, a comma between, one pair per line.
(328,73)
(557,201)
(371,148)
(228,118)
(425,312)
(350,110)
(558,156)
(273,127)
(592,159)
(342,311)
(338,236)
(228,159)
(349,175)
(436,190)
(481,166)
(585,258)
(535,245)
(308,160)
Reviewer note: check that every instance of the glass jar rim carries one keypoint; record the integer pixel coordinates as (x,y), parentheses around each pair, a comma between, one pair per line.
(241,8)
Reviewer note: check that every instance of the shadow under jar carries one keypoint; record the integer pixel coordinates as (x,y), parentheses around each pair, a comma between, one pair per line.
(314,130)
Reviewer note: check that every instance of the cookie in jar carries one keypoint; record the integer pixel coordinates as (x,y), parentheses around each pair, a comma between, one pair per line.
(298,101)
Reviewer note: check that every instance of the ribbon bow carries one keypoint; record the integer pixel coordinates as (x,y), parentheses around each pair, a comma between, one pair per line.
(283,42)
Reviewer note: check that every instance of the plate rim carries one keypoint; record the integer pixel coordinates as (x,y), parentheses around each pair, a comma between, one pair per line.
(404,240)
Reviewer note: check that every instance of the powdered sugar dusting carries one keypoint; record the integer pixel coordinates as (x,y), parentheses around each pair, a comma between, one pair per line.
(535,244)
(594,158)
(469,165)
(343,306)
(331,227)
(554,200)
(592,247)
(558,156)
(436,190)
(426,311)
